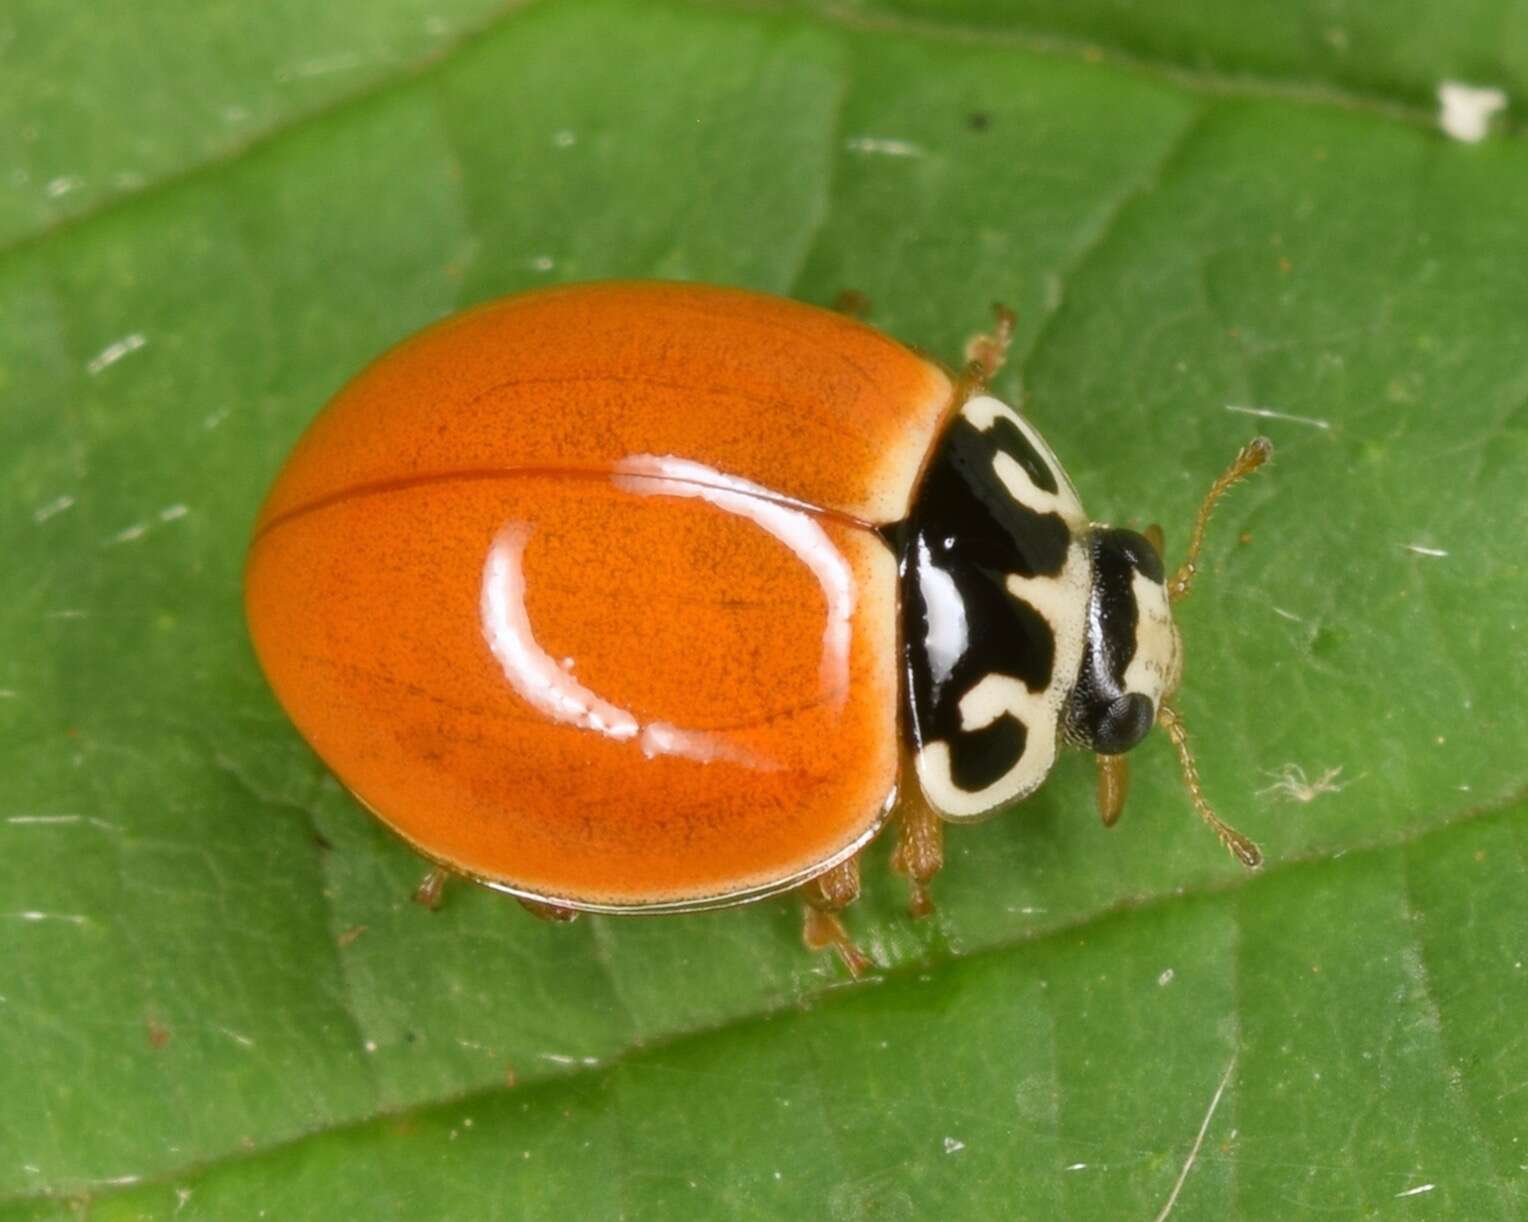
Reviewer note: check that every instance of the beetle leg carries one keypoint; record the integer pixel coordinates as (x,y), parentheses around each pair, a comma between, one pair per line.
(429,888)
(920,851)
(988,350)
(853,303)
(827,895)
(548,912)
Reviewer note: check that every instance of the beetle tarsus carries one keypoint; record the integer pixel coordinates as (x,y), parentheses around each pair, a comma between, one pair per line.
(543,911)
(827,895)
(428,892)
(987,351)
(853,303)
(919,853)
(823,930)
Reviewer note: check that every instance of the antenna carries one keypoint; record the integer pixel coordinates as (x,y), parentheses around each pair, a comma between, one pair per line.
(1244,850)
(1252,456)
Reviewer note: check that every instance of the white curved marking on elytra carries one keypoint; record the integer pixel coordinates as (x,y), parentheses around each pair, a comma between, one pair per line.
(665,475)
(983,411)
(549,686)
(1154,666)
(948,634)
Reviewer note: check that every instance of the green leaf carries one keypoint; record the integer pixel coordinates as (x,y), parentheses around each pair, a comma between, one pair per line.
(215,998)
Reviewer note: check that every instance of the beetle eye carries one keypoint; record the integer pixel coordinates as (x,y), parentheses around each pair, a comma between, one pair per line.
(1123,724)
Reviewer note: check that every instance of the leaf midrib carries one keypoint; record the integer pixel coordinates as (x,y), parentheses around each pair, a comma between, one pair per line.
(832,993)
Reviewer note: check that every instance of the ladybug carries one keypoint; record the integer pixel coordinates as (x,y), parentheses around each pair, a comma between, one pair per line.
(654,597)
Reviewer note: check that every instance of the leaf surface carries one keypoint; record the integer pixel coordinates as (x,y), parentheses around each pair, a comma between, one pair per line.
(215,996)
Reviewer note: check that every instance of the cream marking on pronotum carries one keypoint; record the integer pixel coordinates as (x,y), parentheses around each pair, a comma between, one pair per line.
(983,412)
(1060,600)
(549,686)
(1153,669)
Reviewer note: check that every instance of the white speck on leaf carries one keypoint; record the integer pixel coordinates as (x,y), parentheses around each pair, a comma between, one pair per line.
(321,66)
(1417,549)
(31,916)
(1075,1167)
(130,534)
(883,146)
(52,509)
(953,1145)
(60,821)
(170,512)
(1204,1127)
(63,185)
(1269,413)
(1166,978)
(235,1036)
(564,138)
(1464,111)
(1417,1191)
(115,351)
(1291,784)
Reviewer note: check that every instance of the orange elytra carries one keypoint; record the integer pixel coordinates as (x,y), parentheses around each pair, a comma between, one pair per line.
(642,597)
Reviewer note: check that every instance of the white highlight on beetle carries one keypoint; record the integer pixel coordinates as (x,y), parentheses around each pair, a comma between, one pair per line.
(948,632)
(1270,413)
(548,686)
(114,352)
(1464,111)
(791,524)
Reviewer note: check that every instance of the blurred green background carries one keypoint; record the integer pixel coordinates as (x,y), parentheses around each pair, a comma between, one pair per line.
(215,998)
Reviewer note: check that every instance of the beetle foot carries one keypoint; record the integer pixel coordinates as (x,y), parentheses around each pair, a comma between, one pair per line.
(853,303)
(822,930)
(919,854)
(548,912)
(428,892)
